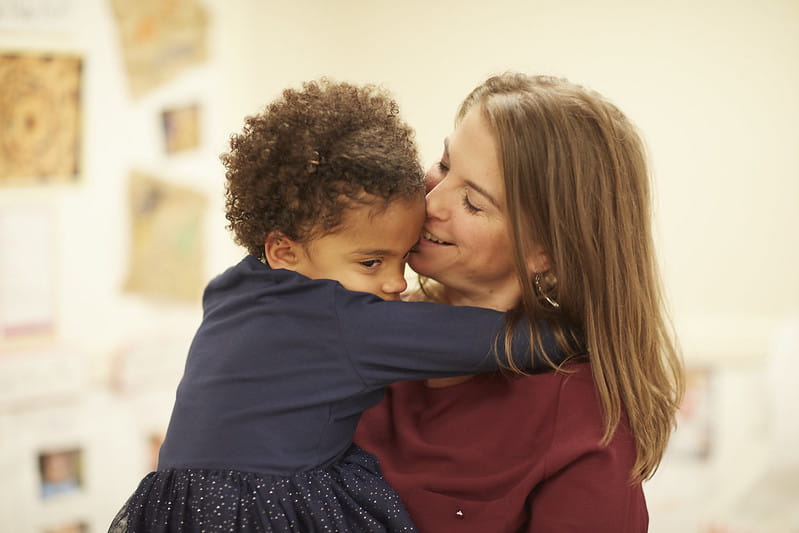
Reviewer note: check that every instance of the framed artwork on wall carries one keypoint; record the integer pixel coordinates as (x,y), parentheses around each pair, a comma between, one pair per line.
(40,118)
(160,39)
(181,127)
(60,472)
(167,247)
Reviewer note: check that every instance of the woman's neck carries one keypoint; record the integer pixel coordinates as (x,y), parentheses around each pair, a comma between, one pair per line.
(499,301)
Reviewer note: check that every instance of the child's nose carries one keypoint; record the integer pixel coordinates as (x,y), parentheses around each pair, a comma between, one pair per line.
(394,286)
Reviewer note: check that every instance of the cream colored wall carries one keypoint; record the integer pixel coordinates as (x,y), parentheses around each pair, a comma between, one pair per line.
(712,85)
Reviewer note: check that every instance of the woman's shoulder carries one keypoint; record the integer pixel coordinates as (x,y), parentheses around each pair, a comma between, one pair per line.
(570,379)
(573,419)
(576,387)
(569,390)
(580,410)
(576,379)
(571,395)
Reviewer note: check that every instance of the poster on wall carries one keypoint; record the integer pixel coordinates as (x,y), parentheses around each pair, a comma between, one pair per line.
(159,39)
(181,126)
(27,271)
(167,249)
(39,118)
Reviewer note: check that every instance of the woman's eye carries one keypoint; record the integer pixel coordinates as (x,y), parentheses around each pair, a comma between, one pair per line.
(469,205)
(371,263)
(442,166)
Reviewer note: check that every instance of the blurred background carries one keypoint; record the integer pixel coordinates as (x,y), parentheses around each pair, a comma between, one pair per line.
(113,114)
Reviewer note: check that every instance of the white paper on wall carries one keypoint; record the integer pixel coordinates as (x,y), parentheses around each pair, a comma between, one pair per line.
(27,282)
(38,14)
(35,378)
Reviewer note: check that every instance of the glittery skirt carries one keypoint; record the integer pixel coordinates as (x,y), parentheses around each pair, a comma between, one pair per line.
(348,495)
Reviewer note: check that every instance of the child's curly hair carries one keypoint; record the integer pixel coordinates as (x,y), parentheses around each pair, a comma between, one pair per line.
(312,153)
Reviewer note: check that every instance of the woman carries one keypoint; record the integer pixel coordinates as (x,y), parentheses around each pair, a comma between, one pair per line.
(541,208)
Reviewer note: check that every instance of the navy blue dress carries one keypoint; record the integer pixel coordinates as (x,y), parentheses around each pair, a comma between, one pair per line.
(276,379)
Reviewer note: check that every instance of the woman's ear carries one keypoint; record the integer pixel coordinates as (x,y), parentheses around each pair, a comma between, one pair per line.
(538,260)
(280,251)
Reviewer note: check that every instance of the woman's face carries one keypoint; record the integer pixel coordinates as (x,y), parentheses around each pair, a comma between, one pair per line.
(465,242)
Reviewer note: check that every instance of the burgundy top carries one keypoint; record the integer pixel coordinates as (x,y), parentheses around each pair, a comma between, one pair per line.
(506,454)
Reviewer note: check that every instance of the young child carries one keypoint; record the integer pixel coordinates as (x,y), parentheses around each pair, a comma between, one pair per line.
(297,340)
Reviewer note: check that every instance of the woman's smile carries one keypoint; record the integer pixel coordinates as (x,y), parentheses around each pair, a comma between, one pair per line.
(429,237)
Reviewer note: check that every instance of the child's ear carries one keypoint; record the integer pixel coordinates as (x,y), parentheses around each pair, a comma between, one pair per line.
(281,252)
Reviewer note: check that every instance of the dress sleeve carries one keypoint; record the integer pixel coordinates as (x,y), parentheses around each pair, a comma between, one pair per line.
(390,341)
(587,486)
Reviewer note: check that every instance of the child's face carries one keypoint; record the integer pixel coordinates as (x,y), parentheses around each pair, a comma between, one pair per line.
(368,253)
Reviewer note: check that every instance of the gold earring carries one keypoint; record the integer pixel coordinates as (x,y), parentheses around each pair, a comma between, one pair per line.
(540,290)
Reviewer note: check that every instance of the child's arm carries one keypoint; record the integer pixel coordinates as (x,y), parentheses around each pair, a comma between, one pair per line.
(396,341)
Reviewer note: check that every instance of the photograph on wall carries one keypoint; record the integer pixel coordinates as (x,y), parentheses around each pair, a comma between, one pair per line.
(167,248)
(181,126)
(693,438)
(40,131)
(27,271)
(160,39)
(60,472)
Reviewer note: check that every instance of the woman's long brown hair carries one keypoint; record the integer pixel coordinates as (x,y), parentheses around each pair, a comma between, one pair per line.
(576,183)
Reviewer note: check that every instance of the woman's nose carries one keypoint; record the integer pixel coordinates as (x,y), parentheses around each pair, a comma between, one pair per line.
(435,202)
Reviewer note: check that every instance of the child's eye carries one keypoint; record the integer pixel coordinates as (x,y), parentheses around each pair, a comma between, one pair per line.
(371,263)
(469,205)
(442,166)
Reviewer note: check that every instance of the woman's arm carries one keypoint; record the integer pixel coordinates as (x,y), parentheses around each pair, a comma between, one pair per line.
(591,494)
(587,487)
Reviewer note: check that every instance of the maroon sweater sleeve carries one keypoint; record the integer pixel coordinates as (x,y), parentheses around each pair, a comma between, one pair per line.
(506,455)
